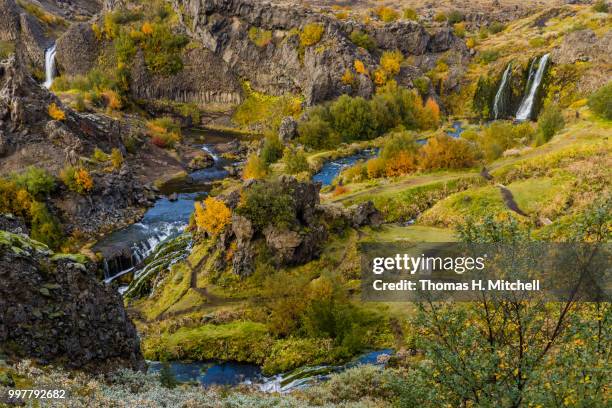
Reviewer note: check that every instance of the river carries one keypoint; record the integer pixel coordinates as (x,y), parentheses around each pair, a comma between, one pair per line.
(230,373)
(125,250)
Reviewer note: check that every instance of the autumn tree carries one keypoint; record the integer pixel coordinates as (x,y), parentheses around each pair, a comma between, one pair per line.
(212,217)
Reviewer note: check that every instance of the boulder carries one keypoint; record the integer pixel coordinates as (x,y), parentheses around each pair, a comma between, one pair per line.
(54,310)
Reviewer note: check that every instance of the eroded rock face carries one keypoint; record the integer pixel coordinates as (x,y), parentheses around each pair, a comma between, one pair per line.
(283,65)
(77,50)
(24,31)
(28,136)
(53,310)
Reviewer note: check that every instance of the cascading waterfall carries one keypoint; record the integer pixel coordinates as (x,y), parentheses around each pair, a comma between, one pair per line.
(49,66)
(526,108)
(499,96)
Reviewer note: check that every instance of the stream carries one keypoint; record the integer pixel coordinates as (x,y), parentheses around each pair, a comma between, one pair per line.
(230,373)
(332,168)
(125,250)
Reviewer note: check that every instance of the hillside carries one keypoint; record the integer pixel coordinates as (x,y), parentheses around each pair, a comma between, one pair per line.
(200,185)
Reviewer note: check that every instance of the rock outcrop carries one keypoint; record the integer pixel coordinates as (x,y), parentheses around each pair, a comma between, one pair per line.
(29,136)
(53,310)
(284,65)
(25,32)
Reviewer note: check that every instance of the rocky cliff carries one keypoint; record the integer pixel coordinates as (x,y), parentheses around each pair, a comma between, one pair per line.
(284,64)
(53,310)
(23,30)
(29,136)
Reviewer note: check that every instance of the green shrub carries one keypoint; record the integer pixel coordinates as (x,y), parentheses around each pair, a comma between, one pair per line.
(352,118)
(550,122)
(162,50)
(295,161)
(601,6)
(267,204)
(410,14)
(316,132)
(44,226)
(496,27)
(36,181)
(422,85)
(272,149)
(259,37)
(454,17)
(363,40)
(99,156)
(348,119)
(440,17)
(488,56)
(311,34)
(600,101)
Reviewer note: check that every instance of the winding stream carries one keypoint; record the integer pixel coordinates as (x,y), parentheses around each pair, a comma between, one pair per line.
(125,250)
(230,373)
(332,168)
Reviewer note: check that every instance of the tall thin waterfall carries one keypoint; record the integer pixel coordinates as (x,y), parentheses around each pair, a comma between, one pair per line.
(49,66)
(525,110)
(499,96)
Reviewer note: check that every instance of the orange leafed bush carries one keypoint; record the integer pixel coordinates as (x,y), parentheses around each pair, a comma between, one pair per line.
(213,216)
(402,163)
(444,152)
(83,180)
(113,100)
(339,190)
(380,78)
(432,114)
(55,112)
(147,28)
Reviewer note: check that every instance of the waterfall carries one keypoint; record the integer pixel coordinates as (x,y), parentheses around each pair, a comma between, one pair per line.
(49,66)
(499,96)
(525,110)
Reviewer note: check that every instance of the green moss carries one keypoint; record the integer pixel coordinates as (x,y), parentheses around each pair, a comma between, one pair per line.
(76,258)
(238,341)
(475,203)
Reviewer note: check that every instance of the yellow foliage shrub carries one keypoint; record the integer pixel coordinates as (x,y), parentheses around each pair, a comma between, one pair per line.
(213,216)
(55,112)
(348,77)
(444,152)
(360,67)
(375,167)
(390,62)
(255,168)
(116,158)
(432,114)
(380,77)
(311,34)
(387,14)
